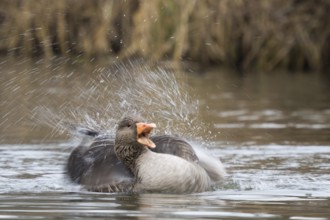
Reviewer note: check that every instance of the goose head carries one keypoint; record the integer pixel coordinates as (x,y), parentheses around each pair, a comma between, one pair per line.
(132,139)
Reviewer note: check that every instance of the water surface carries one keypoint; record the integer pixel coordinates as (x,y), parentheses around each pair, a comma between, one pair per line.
(271,131)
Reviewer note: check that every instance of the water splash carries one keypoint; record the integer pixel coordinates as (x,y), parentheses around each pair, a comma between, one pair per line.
(131,88)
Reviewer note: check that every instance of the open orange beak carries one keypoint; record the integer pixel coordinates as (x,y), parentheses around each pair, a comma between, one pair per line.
(143,134)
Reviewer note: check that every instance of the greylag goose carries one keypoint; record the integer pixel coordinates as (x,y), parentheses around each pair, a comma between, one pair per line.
(136,162)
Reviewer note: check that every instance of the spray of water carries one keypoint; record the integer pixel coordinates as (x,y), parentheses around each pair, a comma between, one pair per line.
(131,88)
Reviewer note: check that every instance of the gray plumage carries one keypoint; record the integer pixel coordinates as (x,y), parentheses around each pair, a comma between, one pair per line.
(164,173)
(124,165)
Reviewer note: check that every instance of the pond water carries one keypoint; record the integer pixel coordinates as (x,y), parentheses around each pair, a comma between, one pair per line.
(270,130)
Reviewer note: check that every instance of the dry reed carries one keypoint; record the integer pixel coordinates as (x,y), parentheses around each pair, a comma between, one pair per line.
(265,35)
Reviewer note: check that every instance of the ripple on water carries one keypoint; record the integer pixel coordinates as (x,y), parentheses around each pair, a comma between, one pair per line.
(265,180)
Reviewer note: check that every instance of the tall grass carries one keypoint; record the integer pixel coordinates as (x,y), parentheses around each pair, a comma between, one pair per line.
(65,27)
(290,34)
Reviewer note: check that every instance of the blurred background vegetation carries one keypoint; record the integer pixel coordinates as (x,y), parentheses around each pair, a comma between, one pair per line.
(251,34)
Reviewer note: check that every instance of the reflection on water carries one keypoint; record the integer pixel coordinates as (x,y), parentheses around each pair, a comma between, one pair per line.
(50,205)
(264,182)
(272,132)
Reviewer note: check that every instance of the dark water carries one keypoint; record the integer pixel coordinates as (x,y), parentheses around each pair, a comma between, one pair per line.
(270,130)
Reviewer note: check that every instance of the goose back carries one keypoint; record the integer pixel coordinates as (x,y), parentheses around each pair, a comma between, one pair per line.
(97,167)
